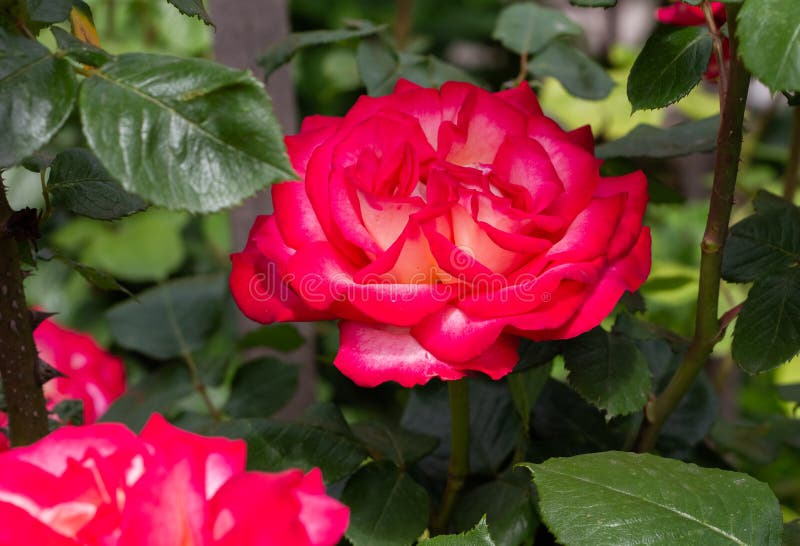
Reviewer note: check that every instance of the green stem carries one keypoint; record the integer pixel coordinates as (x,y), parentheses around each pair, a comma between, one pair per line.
(707,325)
(459,452)
(27,414)
(790,179)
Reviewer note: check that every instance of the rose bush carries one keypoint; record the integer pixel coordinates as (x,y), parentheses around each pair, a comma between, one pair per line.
(103,485)
(439,225)
(685,15)
(93,375)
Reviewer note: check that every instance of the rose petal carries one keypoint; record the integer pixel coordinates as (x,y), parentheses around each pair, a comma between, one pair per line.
(294,215)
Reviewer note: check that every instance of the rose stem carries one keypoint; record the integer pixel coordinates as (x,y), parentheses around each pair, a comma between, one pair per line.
(194,371)
(26,408)
(459,452)
(790,178)
(707,325)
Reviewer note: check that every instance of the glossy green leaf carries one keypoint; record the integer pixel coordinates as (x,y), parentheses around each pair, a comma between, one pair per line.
(670,65)
(281,337)
(37,92)
(48,11)
(479,536)
(626,498)
(387,507)
(282,52)
(79,183)
(169,320)
(313,442)
(401,446)
(193,8)
(608,370)
(183,133)
(261,387)
(768,241)
(79,50)
(526,27)
(767,332)
(769,38)
(647,141)
(578,73)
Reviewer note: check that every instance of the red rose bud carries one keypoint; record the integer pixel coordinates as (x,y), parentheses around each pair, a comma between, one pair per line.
(102,485)
(74,368)
(439,225)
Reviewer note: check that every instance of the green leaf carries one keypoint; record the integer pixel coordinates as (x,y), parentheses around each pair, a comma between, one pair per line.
(37,91)
(282,52)
(80,184)
(401,446)
(594,3)
(494,426)
(563,423)
(144,247)
(98,279)
(768,241)
(579,74)
(380,67)
(79,50)
(313,442)
(767,332)
(69,412)
(479,536)
(387,507)
(608,371)
(648,141)
(525,387)
(261,387)
(670,65)
(206,136)
(626,498)
(526,27)
(506,505)
(791,533)
(769,38)
(169,320)
(535,353)
(48,11)
(193,8)
(281,337)
(159,392)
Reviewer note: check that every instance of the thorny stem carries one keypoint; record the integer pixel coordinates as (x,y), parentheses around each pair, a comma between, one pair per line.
(707,323)
(26,407)
(402,25)
(790,178)
(719,51)
(459,452)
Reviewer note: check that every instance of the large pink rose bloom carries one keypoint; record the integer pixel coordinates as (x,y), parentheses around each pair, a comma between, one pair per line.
(439,225)
(101,485)
(93,375)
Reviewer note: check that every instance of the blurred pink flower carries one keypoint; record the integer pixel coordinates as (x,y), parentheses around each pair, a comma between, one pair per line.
(102,485)
(94,375)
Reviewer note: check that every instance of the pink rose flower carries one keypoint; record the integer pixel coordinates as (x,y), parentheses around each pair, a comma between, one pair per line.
(93,375)
(686,16)
(439,225)
(102,485)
